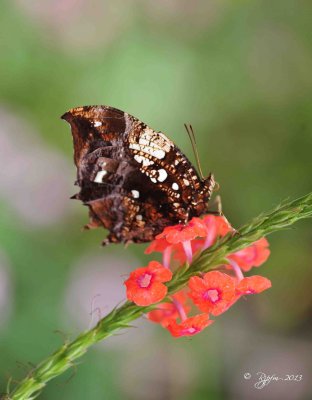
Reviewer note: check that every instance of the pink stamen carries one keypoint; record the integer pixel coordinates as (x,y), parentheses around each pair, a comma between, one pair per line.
(236,269)
(144,280)
(180,309)
(191,330)
(167,256)
(211,235)
(212,295)
(188,250)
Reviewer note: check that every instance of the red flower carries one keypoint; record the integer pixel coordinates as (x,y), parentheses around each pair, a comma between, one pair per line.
(178,238)
(216,226)
(253,284)
(224,226)
(185,240)
(166,312)
(190,326)
(213,293)
(252,256)
(158,245)
(181,233)
(145,285)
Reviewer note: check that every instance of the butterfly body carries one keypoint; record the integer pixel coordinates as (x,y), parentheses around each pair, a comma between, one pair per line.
(134,180)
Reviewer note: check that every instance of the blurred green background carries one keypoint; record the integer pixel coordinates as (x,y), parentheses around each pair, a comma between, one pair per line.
(240,72)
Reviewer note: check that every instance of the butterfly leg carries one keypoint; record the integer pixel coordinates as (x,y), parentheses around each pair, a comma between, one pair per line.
(216,203)
(219,212)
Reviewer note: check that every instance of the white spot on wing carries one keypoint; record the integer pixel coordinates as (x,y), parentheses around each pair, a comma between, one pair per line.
(138,158)
(134,146)
(186,182)
(148,132)
(144,142)
(97,123)
(139,217)
(175,186)
(159,153)
(162,175)
(145,161)
(135,194)
(99,176)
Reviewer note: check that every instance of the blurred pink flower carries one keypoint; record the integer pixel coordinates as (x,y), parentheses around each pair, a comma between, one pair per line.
(6,296)
(78,24)
(34,179)
(189,17)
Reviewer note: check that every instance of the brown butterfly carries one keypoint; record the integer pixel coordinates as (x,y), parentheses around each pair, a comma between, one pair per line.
(134,180)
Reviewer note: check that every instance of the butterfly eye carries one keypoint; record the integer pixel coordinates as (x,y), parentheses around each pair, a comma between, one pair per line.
(99,176)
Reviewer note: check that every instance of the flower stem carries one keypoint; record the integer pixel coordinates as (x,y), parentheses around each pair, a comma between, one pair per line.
(64,358)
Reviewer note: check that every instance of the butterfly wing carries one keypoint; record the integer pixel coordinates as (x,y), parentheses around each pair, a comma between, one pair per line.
(134,180)
(94,126)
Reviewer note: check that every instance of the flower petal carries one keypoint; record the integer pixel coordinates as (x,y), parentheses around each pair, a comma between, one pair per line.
(253,284)
(161,273)
(213,293)
(190,327)
(252,256)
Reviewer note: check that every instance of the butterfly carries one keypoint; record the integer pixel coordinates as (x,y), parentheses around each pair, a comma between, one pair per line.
(134,180)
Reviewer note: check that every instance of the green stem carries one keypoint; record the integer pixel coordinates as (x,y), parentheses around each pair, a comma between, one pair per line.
(65,357)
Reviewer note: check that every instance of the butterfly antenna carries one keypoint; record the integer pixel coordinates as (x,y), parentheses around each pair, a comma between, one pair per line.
(191,135)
